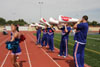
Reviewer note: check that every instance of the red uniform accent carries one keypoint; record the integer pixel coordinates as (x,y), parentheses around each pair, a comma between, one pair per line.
(65,18)
(44,30)
(50,31)
(44,20)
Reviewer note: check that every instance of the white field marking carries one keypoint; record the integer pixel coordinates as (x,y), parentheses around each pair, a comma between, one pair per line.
(48,55)
(6,54)
(85,48)
(27,54)
(5,59)
(3,41)
(93,38)
(31,38)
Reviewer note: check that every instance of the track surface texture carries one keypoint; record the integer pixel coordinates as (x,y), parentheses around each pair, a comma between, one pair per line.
(32,55)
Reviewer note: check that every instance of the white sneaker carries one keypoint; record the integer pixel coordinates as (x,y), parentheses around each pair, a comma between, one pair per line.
(64,56)
(59,55)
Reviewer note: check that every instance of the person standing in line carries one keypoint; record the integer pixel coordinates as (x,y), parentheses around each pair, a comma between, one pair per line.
(99,31)
(50,31)
(64,40)
(38,35)
(44,37)
(80,41)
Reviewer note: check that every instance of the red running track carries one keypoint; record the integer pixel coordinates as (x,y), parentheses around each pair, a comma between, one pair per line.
(32,55)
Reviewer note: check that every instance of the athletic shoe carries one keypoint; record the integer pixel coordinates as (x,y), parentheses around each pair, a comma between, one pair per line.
(52,50)
(59,55)
(64,56)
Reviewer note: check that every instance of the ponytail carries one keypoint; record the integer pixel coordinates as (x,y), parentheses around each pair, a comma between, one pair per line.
(17,28)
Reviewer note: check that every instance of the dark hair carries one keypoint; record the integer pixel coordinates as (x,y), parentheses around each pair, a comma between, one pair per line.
(17,28)
(85,17)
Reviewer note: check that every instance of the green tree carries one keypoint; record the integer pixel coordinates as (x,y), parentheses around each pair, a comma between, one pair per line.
(90,23)
(9,22)
(2,21)
(20,22)
(94,23)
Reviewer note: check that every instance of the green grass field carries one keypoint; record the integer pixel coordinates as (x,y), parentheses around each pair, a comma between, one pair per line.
(92,50)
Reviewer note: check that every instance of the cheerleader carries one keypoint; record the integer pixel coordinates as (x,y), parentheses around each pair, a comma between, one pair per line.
(16,51)
(38,35)
(44,37)
(50,31)
(64,40)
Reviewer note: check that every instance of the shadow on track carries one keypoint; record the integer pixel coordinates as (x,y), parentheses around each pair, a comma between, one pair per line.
(21,63)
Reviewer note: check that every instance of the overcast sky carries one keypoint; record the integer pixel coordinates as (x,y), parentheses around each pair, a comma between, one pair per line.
(29,10)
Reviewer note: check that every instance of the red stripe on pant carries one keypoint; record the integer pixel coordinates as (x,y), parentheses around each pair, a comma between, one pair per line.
(75,54)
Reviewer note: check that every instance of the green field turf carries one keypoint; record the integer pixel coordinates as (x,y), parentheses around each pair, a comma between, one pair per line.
(94,36)
(92,50)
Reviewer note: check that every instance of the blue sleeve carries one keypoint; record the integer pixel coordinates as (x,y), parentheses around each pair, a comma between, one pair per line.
(42,29)
(62,28)
(48,28)
(54,28)
(69,29)
(80,26)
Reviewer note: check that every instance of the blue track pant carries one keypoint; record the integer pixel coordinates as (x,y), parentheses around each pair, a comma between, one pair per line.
(38,38)
(44,40)
(79,54)
(64,47)
(51,43)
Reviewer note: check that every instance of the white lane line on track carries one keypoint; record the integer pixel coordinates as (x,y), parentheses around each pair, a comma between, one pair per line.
(47,54)
(30,37)
(50,57)
(4,41)
(5,59)
(6,54)
(27,54)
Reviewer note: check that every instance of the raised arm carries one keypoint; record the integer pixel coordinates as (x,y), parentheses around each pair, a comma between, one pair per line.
(58,27)
(66,28)
(52,28)
(36,28)
(75,26)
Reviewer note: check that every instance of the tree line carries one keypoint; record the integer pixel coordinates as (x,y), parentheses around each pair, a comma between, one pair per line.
(93,23)
(20,22)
